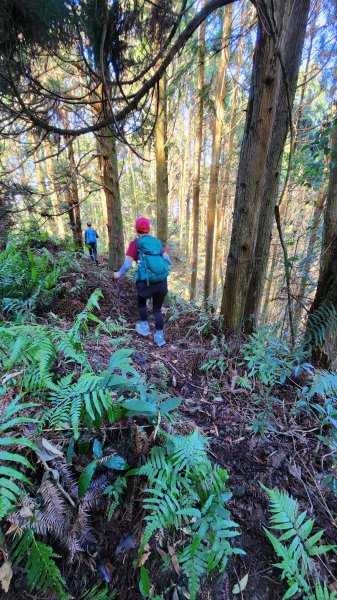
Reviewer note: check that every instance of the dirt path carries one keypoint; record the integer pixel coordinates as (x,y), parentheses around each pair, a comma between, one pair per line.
(287,459)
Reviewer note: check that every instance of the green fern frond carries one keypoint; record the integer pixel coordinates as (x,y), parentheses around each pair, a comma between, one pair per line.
(324,384)
(97,593)
(11,476)
(296,565)
(320,322)
(41,570)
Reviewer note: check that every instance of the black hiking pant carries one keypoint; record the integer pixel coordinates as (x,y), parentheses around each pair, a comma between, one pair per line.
(93,251)
(156,291)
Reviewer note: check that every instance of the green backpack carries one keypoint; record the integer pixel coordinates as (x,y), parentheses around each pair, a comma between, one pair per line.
(152,266)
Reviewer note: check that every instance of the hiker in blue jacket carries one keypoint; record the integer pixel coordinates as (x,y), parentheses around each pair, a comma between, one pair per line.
(151,277)
(90,238)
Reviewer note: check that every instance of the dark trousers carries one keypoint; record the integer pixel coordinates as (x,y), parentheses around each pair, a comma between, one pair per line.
(93,251)
(156,291)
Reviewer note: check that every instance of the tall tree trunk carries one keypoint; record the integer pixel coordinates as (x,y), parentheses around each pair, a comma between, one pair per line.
(102,195)
(256,156)
(291,47)
(133,184)
(53,193)
(220,92)
(161,162)
(72,196)
(197,159)
(308,258)
(183,223)
(326,292)
(42,187)
(71,191)
(110,182)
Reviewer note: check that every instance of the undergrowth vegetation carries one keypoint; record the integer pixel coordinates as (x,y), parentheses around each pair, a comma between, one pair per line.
(92,466)
(30,274)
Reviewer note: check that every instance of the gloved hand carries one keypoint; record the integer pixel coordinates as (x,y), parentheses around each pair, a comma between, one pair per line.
(116,275)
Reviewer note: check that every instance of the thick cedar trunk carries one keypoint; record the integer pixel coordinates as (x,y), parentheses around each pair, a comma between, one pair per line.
(197,161)
(220,92)
(260,156)
(161,162)
(294,26)
(253,156)
(326,292)
(109,174)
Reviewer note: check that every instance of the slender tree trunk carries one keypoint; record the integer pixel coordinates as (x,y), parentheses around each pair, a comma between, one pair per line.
(255,158)
(41,183)
(102,195)
(220,93)
(183,223)
(274,261)
(73,198)
(53,194)
(308,258)
(161,162)
(133,180)
(197,160)
(291,46)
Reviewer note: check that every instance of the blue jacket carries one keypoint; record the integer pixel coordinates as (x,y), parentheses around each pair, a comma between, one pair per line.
(90,235)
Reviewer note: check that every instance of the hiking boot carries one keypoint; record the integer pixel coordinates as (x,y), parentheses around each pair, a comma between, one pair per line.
(143,328)
(159,338)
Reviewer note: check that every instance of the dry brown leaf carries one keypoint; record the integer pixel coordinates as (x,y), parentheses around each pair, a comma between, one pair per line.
(6,574)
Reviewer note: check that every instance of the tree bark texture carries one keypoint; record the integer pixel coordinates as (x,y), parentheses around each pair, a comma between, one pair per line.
(109,173)
(220,92)
(260,157)
(161,162)
(197,161)
(291,44)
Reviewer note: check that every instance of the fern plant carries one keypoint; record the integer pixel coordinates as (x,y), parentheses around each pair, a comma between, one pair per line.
(41,571)
(321,322)
(11,477)
(187,493)
(297,565)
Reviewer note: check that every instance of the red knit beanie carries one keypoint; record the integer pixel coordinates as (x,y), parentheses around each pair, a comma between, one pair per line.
(143,225)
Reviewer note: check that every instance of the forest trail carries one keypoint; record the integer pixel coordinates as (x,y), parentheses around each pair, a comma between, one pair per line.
(223,411)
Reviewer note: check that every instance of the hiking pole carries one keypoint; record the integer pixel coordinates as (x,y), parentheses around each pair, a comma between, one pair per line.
(118,294)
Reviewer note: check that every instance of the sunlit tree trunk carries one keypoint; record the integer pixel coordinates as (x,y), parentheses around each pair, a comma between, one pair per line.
(42,188)
(183,223)
(221,207)
(220,92)
(291,46)
(161,161)
(133,184)
(197,160)
(53,193)
(71,191)
(256,157)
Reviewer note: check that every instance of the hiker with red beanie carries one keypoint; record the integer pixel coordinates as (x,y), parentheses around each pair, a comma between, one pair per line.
(153,266)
